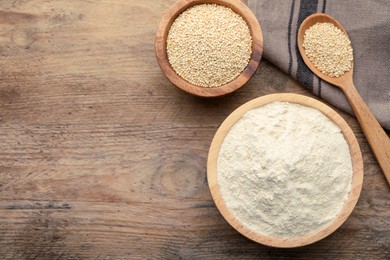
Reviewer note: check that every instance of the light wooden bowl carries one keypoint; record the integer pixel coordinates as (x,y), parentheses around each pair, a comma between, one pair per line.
(357,165)
(162,58)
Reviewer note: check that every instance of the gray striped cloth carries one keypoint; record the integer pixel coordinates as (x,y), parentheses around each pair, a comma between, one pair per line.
(368,25)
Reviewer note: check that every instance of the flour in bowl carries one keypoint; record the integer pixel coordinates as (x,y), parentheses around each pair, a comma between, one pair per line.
(284,170)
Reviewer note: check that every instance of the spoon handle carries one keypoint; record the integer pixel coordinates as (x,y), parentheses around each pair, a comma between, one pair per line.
(376,136)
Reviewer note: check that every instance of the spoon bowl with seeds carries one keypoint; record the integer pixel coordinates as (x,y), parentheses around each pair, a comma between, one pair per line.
(327,51)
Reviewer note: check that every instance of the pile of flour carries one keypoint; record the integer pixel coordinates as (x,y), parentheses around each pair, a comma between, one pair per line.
(284,170)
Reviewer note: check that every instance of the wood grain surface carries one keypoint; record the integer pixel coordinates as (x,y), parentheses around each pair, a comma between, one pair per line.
(102,157)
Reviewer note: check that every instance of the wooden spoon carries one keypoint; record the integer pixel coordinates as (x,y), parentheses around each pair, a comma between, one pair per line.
(376,136)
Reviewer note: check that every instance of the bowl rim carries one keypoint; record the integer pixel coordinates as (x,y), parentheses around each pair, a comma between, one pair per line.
(257,47)
(356,183)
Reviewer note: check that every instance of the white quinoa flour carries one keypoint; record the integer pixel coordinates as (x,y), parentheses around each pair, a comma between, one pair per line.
(284,170)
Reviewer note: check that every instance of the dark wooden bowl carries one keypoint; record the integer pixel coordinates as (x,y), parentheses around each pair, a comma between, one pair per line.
(162,57)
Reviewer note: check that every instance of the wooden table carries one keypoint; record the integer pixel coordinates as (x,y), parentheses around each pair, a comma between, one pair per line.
(102,157)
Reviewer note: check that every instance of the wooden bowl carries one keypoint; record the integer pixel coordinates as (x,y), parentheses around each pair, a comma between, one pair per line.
(162,57)
(357,166)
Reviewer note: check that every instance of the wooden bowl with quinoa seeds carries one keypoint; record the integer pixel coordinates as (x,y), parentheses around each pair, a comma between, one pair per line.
(285,170)
(209,48)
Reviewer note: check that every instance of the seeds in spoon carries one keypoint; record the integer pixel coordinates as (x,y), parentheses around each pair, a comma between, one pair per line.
(328,48)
